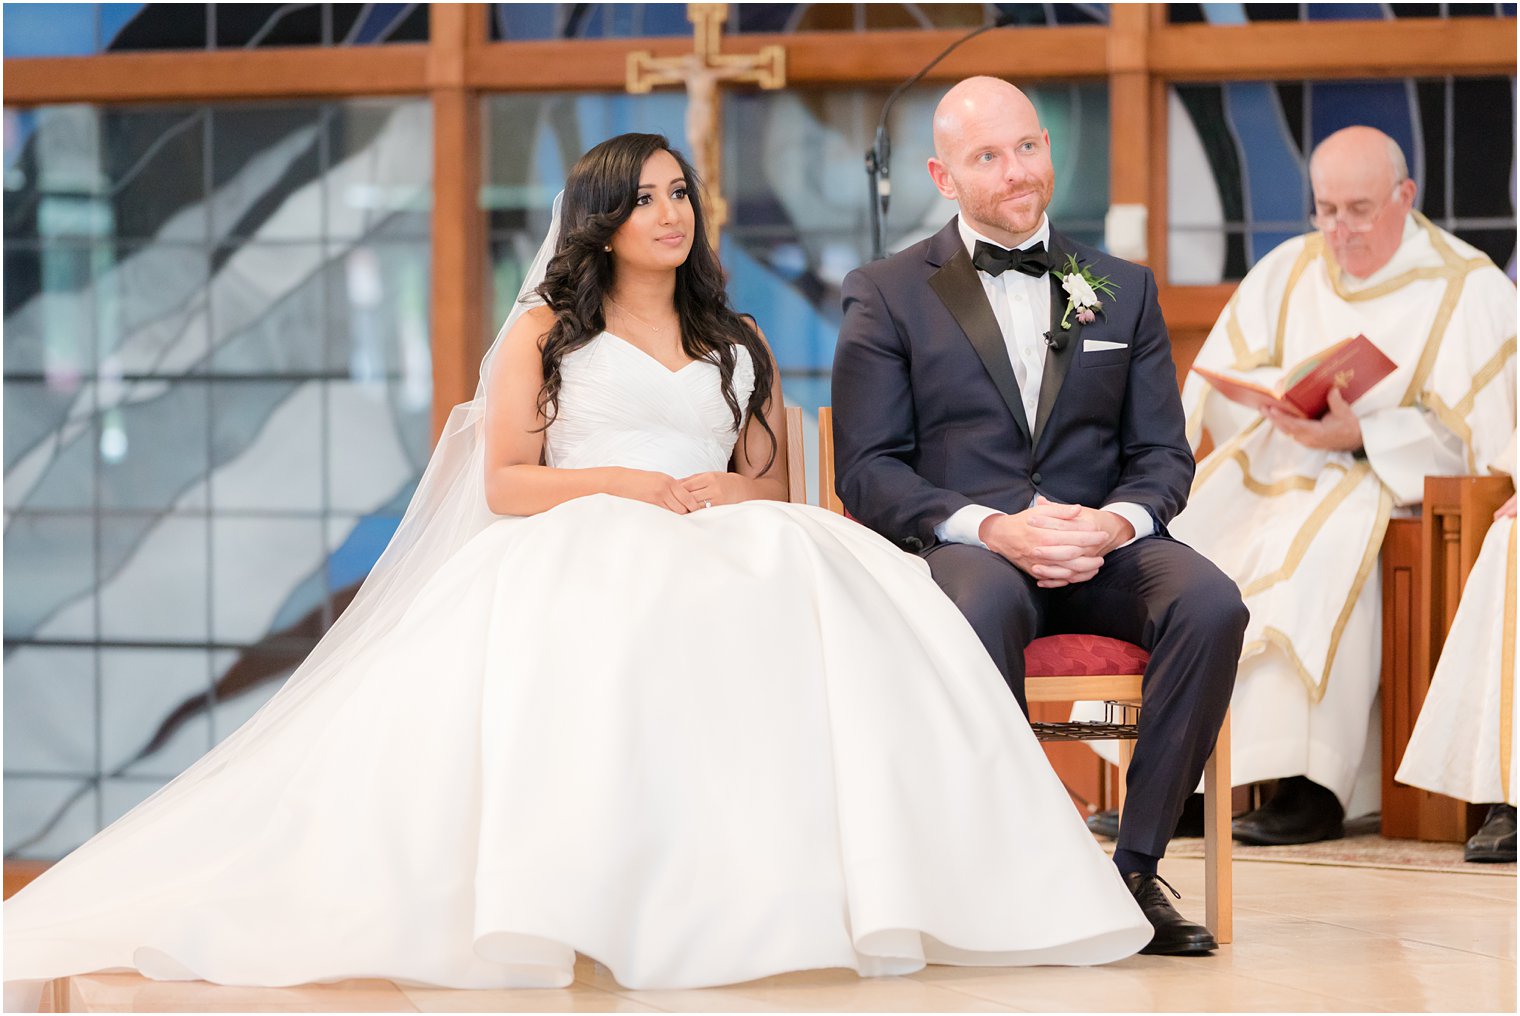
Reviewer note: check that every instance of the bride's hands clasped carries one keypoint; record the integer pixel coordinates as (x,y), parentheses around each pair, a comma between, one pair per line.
(658,489)
(693,493)
(717,488)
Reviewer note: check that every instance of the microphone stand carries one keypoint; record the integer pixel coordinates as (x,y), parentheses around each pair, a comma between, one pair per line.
(879,155)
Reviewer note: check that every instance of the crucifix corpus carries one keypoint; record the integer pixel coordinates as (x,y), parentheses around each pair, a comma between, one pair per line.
(701,72)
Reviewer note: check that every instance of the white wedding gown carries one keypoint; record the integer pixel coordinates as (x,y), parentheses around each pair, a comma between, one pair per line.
(699,748)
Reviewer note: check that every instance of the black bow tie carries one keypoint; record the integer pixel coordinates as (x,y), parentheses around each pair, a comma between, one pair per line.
(995,260)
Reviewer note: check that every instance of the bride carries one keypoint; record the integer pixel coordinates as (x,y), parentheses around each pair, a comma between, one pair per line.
(606,693)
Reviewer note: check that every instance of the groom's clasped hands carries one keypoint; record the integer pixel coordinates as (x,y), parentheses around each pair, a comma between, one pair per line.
(1058,544)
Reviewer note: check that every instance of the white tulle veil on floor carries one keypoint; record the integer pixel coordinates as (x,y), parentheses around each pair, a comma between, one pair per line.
(447,510)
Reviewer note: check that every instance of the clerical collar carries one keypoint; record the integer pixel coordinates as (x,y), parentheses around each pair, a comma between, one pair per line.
(969,236)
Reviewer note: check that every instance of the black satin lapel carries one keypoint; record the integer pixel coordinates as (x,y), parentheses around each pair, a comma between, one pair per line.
(1064,342)
(961,292)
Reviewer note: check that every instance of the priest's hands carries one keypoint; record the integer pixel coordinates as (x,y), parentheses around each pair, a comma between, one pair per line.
(1058,544)
(1506,510)
(1338,430)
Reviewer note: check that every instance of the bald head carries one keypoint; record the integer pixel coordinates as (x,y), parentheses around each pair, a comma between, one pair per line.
(975,100)
(992,158)
(1362,149)
(1362,197)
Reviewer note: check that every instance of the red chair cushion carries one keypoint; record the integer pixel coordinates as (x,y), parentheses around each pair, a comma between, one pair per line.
(1082,656)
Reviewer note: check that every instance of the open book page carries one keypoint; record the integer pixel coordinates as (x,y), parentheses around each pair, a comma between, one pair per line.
(1246,392)
(1352,365)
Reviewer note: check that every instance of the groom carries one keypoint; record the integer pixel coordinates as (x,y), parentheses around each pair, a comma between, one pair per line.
(1027,440)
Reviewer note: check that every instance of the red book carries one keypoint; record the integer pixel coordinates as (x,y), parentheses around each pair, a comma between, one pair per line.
(1353,365)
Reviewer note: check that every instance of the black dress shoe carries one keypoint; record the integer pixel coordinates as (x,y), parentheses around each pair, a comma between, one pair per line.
(1175,935)
(1494,842)
(1106,823)
(1300,812)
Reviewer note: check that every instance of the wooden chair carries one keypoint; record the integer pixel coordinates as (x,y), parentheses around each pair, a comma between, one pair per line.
(1426,561)
(1074,668)
(796,468)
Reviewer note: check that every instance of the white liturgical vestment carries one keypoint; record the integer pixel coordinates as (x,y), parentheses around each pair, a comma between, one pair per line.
(1300,529)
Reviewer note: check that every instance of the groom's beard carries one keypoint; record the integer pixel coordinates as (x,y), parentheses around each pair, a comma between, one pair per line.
(1020,217)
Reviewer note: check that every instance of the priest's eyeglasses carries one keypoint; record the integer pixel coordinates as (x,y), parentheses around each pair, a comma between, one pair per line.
(1352,220)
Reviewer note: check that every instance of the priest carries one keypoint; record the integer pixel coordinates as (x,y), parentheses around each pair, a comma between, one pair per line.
(1463,741)
(1294,510)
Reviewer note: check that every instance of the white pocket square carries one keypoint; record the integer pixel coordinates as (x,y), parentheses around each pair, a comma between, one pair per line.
(1098,345)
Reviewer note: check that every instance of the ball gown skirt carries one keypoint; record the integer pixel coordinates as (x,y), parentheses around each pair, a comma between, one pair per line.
(699,749)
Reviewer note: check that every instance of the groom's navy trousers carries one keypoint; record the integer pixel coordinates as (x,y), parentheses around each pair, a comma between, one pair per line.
(928,419)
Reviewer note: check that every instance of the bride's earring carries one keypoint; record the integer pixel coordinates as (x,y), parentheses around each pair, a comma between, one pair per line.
(607,247)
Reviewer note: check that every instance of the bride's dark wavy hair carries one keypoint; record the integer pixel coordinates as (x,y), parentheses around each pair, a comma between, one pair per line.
(599,197)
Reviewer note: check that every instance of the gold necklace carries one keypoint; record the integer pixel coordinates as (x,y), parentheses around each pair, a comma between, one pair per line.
(654,328)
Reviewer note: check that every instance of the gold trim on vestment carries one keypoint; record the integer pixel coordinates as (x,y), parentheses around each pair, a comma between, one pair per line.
(1485,374)
(1311,527)
(1232,330)
(1454,418)
(1427,361)
(1424,273)
(1314,245)
(1458,270)
(1192,428)
(1507,674)
(1279,638)
(1452,264)
(1369,562)
(1246,358)
(1278,487)
(1452,422)
(1219,456)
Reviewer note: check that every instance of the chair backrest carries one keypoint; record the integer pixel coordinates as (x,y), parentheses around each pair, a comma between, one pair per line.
(796,466)
(828,497)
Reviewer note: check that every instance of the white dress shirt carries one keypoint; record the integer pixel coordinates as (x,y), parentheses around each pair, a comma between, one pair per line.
(1021,305)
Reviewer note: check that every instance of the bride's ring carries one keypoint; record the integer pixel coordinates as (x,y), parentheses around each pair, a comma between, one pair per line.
(706,504)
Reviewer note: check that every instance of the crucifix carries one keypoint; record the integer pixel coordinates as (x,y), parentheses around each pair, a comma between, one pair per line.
(701,72)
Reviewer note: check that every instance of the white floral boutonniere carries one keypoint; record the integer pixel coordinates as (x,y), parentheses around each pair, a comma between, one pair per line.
(1082,291)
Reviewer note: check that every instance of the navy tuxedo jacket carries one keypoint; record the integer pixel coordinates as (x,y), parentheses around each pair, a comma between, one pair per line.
(927,413)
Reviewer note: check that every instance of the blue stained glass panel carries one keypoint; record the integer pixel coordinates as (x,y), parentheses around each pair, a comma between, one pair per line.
(113,18)
(50,30)
(1243,13)
(195,400)
(1344,12)
(519,22)
(516,22)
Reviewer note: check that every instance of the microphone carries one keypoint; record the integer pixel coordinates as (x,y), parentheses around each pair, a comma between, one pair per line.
(1057,341)
(879,155)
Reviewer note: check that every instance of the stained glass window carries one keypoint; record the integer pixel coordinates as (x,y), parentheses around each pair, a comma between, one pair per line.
(217,400)
(1236,14)
(85,29)
(518,22)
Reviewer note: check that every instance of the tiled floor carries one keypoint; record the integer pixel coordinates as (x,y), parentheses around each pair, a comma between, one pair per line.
(1307,938)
